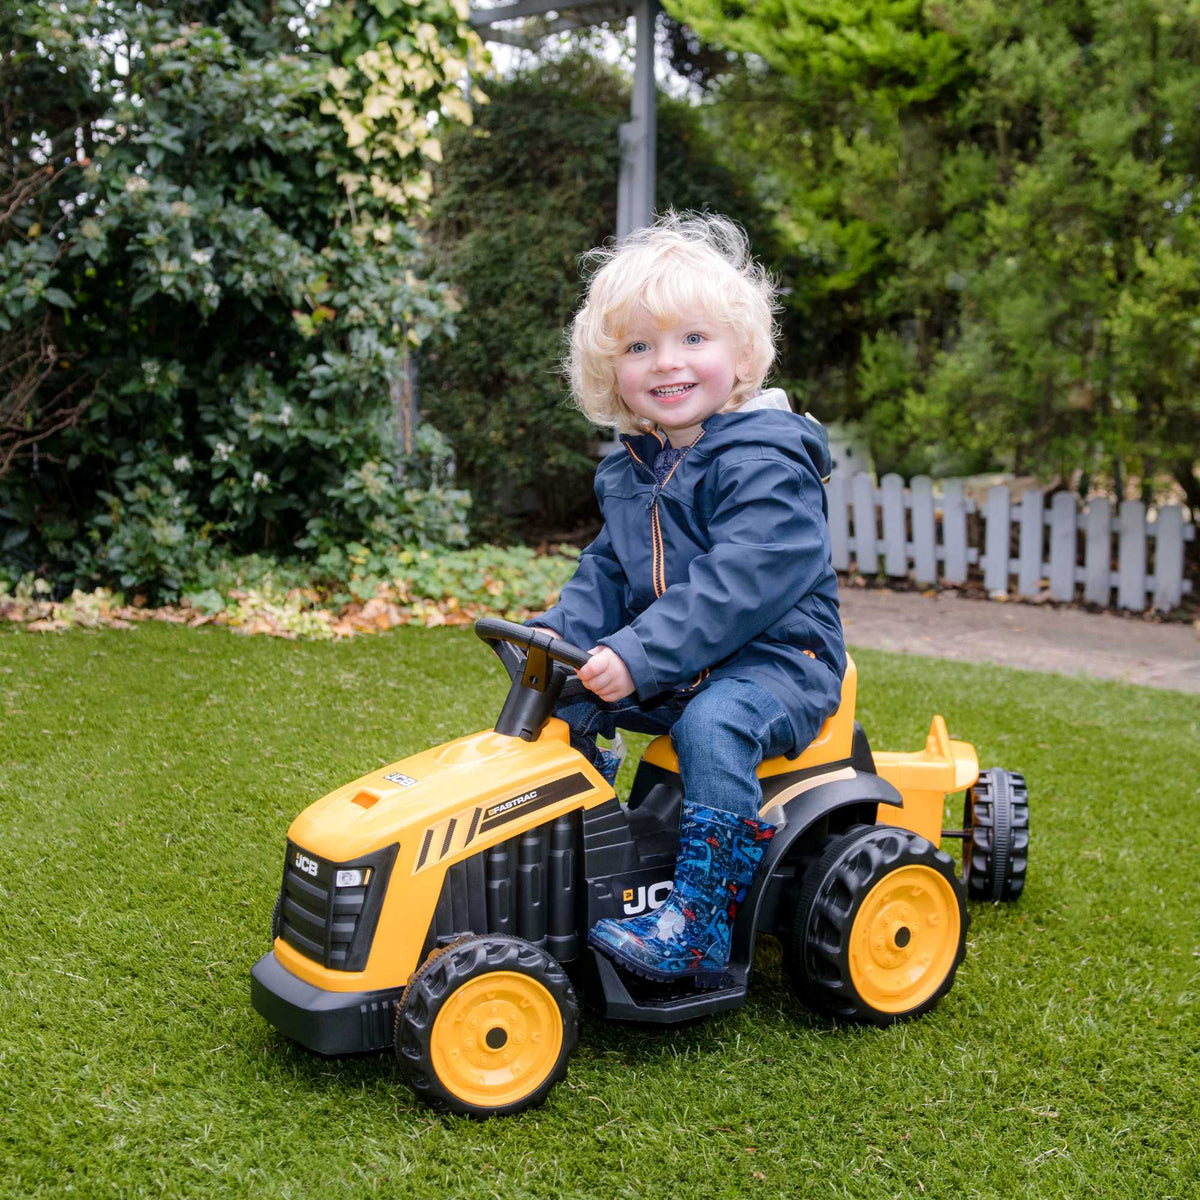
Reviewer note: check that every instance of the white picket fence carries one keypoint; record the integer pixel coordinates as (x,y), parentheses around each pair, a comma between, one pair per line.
(1069,552)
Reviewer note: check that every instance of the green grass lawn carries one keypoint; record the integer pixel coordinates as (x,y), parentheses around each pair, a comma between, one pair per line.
(146,782)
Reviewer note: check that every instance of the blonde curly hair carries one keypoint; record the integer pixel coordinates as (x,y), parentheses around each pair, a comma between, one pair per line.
(684,262)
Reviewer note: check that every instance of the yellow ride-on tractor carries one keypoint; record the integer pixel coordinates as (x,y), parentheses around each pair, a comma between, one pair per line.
(440,905)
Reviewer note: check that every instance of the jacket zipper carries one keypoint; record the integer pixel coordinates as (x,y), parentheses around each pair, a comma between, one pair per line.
(656,537)
(660,557)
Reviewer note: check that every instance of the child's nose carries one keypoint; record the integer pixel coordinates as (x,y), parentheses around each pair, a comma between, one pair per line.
(666,358)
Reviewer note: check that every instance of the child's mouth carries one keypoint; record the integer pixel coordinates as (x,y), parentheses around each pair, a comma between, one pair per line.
(674,392)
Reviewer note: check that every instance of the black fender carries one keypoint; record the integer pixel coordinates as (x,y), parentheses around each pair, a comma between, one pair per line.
(852,790)
(808,798)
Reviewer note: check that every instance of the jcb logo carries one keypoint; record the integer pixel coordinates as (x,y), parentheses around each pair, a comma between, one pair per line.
(646,899)
(305,864)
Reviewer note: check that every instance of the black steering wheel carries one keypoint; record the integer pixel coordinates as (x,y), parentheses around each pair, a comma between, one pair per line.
(543,659)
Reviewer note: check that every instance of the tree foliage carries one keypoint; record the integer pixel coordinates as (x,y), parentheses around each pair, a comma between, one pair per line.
(208,236)
(862,48)
(996,205)
(520,195)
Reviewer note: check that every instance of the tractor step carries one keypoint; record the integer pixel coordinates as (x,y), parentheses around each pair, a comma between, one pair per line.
(627,998)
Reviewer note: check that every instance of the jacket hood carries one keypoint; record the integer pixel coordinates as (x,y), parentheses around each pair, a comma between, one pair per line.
(766,419)
(768,398)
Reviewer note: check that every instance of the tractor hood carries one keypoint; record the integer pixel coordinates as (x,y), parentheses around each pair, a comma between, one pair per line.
(438,803)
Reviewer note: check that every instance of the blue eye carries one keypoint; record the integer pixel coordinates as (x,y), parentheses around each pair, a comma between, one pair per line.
(636,347)
(693,339)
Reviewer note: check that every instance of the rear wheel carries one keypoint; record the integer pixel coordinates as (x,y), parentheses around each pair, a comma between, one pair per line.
(996,842)
(880,927)
(486,1026)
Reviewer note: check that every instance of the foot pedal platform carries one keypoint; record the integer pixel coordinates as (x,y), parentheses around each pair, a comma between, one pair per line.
(628,998)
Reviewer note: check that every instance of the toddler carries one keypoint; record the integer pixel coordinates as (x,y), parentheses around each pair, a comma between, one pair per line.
(708,598)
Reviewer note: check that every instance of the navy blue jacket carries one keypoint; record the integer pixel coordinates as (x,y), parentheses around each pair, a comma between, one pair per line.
(721,572)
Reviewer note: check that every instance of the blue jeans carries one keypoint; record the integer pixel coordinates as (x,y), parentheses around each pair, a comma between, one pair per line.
(720,735)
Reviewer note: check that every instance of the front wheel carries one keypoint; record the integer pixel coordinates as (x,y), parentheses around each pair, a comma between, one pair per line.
(486,1026)
(880,927)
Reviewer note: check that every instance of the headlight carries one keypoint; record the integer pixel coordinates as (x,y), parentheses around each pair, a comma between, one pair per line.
(353,878)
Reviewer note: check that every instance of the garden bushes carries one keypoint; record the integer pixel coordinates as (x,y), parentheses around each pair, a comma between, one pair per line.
(211,283)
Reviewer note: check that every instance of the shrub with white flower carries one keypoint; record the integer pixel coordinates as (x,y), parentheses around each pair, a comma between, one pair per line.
(192,287)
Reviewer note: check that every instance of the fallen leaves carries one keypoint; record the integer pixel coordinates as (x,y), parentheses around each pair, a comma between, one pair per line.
(88,610)
(412,587)
(47,625)
(295,614)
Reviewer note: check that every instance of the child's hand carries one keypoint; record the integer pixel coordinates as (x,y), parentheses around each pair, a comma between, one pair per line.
(606,674)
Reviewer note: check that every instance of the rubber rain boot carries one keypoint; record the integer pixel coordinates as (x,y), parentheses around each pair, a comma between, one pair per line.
(608,765)
(688,937)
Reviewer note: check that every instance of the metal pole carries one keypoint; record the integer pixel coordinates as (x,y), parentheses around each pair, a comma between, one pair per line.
(635,188)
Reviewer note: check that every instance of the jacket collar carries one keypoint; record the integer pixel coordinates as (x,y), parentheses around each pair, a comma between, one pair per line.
(766,418)
(644,446)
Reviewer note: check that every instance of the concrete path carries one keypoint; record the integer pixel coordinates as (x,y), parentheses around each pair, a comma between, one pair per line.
(1065,641)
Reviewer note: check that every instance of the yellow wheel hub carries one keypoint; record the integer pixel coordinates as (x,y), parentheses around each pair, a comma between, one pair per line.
(496,1039)
(904,939)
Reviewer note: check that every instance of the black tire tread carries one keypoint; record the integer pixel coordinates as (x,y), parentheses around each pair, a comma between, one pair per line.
(851,864)
(996,848)
(432,984)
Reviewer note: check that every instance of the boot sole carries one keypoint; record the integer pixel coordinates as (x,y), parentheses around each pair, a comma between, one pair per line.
(701,979)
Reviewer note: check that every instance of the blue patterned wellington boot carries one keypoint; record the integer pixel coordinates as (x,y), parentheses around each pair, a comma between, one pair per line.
(609,765)
(688,936)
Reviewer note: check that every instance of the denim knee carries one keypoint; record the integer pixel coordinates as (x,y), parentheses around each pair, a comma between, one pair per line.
(723,735)
(585,716)
(733,712)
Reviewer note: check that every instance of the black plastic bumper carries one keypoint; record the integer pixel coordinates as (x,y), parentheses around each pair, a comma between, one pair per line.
(327,1022)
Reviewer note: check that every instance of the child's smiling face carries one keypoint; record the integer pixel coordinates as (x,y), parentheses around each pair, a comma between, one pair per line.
(677,375)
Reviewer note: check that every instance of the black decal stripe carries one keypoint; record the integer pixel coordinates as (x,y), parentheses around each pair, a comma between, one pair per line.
(474,827)
(552,793)
(425,848)
(448,838)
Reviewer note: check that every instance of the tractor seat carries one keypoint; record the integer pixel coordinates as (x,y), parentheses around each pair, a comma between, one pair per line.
(832,743)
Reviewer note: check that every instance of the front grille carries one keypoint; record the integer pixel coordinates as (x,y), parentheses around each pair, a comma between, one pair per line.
(332,925)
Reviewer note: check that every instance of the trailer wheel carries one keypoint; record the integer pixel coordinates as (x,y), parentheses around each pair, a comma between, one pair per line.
(996,842)
(486,1026)
(880,926)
